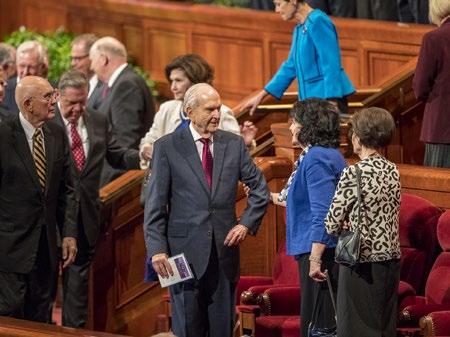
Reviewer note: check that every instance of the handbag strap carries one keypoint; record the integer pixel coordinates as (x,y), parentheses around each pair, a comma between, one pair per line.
(316,302)
(358,193)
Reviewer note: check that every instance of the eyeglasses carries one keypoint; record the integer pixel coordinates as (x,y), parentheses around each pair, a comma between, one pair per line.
(78,58)
(50,96)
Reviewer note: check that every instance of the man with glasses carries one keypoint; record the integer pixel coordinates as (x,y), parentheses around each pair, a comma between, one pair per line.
(36,189)
(80,61)
(8,60)
(31,59)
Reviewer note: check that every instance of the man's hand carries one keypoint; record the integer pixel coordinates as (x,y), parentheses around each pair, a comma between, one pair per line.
(236,235)
(146,152)
(248,132)
(161,265)
(69,250)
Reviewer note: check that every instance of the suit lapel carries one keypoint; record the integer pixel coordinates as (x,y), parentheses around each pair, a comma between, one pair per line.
(20,143)
(219,145)
(188,151)
(49,140)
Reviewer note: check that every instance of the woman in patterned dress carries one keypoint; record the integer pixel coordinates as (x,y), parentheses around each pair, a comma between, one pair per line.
(367,293)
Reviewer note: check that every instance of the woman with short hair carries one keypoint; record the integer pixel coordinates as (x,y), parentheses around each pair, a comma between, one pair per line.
(316,128)
(367,293)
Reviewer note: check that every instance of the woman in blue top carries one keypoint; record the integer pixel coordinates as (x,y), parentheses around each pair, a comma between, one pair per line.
(314,58)
(315,126)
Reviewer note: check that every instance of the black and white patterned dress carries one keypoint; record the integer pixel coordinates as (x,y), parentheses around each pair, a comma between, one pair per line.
(380,189)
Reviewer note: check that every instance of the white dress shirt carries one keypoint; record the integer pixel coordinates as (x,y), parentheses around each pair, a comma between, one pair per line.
(199,144)
(82,131)
(29,131)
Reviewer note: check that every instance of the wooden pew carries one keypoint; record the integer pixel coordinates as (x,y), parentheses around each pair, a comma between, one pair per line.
(20,328)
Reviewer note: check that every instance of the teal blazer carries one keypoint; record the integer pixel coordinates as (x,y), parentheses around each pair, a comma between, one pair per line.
(315,60)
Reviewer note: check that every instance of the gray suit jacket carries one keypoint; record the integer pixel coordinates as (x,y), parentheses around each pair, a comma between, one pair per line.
(183,215)
(102,144)
(130,110)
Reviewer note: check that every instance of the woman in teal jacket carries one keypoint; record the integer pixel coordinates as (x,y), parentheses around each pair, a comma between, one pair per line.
(314,58)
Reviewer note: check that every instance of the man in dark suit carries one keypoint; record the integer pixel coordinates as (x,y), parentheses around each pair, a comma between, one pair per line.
(128,102)
(36,188)
(80,60)
(31,59)
(190,209)
(4,112)
(91,142)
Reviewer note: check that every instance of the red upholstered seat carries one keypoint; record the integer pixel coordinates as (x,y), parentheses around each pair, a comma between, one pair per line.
(272,326)
(437,289)
(418,242)
(436,324)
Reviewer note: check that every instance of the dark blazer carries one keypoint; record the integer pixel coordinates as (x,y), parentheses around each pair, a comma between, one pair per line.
(183,215)
(102,144)
(24,209)
(130,110)
(5,114)
(10,96)
(431,84)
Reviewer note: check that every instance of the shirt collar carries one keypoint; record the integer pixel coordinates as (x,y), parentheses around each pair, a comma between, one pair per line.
(27,126)
(116,74)
(196,135)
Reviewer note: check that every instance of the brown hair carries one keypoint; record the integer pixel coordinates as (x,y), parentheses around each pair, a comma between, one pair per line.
(194,66)
(374,127)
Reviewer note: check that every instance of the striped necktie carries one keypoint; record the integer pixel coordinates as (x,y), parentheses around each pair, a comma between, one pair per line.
(39,157)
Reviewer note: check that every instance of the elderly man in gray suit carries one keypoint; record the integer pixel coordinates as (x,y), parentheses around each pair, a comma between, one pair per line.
(190,209)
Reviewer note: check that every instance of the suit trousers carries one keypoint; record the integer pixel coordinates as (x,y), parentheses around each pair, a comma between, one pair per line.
(29,296)
(342,8)
(310,290)
(377,9)
(367,299)
(204,307)
(75,284)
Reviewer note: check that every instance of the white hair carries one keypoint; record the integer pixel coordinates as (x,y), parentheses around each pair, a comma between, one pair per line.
(36,46)
(193,93)
(110,46)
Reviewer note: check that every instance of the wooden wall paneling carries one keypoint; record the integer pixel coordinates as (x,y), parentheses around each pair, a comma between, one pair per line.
(279,46)
(385,58)
(133,40)
(237,57)
(44,15)
(350,60)
(163,42)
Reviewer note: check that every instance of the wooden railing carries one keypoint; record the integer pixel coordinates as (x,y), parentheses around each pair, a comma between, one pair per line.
(394,94)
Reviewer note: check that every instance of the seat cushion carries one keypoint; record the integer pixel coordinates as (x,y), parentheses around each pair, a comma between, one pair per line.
(269,326)
(291,327)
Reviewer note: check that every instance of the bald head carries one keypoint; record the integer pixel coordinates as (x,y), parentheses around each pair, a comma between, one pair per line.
(202,105)
(35,99)
(106,55)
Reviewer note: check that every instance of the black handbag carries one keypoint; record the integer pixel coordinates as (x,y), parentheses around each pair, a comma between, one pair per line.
(314,331)
(349,242)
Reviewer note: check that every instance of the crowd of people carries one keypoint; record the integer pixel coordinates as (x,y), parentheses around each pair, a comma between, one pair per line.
(60,142)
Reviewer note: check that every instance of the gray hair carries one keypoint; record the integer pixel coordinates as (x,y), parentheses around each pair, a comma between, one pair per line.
(87,39)
(439,9)
(110,46)
(193,93)
(73,79)
(6,55)
(36,46)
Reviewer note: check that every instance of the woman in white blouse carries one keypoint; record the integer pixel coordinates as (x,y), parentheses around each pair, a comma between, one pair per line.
(183,72)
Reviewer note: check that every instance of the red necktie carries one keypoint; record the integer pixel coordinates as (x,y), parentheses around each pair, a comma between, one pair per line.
(105,91)
(207,160)
(77,147)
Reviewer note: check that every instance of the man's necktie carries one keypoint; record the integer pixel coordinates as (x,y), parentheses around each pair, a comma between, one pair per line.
(105,91)
(77,147)
(207,160)
(39,157)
